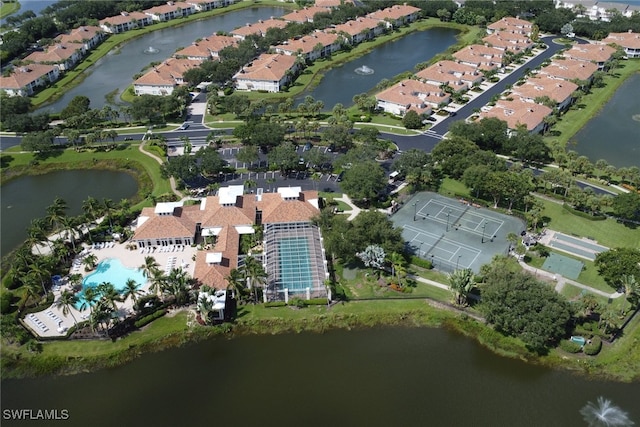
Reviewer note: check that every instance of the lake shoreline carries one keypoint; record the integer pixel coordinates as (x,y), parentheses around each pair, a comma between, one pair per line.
(21,365)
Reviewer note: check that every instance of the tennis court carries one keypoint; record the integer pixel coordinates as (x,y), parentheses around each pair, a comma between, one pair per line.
(454,234)
(562,265)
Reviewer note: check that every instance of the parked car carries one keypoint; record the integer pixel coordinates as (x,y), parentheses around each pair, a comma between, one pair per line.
(307,146)
(184,126)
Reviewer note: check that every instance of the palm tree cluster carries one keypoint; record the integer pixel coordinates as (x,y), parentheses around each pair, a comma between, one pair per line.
(52,243)
(175,286)
(246,278)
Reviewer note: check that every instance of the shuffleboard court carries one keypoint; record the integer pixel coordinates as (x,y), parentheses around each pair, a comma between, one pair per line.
(454,234)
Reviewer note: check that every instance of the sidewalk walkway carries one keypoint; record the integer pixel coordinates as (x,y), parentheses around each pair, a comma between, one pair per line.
(172,180)
(354,209)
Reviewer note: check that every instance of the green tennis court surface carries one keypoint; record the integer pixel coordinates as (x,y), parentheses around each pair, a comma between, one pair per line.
(562,265)
(453,234)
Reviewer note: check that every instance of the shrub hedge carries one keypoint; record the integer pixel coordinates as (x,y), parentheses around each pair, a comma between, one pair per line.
(584,214)
(275,304)
(424,263)
(592,348)
(570,346)
(150,318)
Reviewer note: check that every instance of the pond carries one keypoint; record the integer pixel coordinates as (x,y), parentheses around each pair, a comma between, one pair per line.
(373,377)
(27,197)
(613,134)
(341,83)
(115,70)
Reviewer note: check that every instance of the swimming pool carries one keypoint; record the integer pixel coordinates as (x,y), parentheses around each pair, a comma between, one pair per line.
(111,270)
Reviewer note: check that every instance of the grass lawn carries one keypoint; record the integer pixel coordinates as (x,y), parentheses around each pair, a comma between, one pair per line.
(7,8)
(608,232)
(156,330)
(573,120)
(450,187)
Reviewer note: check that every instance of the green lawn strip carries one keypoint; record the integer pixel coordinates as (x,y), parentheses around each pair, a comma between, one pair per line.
(7,8)
(112,42)
(450,187)
(21,163)
(573,120)
(155,330)
(608,232)
(621,360)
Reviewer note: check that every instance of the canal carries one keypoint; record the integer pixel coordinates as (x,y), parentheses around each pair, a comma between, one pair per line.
(115,70)
(341,83)
(373,377)
(27,197)
(613,135)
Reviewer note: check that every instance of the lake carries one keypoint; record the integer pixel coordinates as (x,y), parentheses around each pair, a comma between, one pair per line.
(27,197)
(372,377)
(115,70)
(341,83)
(614,134)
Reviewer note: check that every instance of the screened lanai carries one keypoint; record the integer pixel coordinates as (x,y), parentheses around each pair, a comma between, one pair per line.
(295,261)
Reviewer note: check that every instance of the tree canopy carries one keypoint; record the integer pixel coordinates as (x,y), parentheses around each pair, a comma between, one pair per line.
(516,304)
(616,263)
(364,180)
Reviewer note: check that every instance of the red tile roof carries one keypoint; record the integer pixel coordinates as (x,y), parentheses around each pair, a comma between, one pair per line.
(168,72)
(413,92)
(267,67)
(123,18)
(629,40)
(394,12)
(518,112)
(304,15)
(259,27)
(557,89)
(570,69)
(590,52)
(22,76)
(356,26)
(308,43)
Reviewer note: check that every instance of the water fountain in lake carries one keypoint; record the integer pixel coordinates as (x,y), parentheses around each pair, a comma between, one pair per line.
(605,414)
(151,50)
(364,70)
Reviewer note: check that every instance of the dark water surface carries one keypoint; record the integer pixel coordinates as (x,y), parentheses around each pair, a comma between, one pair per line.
(27,198)
(375,377)
(115,70)
(614,134)
(341,83)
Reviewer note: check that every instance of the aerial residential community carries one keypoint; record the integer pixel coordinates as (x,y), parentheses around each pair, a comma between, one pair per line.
(353,175)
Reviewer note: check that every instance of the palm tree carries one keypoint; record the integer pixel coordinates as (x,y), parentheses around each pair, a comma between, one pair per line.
(56,212)
(108,207)
(69,227)
(40,271)
(149,267)
(398,263)
(36,234)
(631,288)
(236,283)
(88,297)
(131,291)
(158,279)
(461,282)
(108,294)
(91,207)
(177,285)
(254,274)
(90,262)
(67,300)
